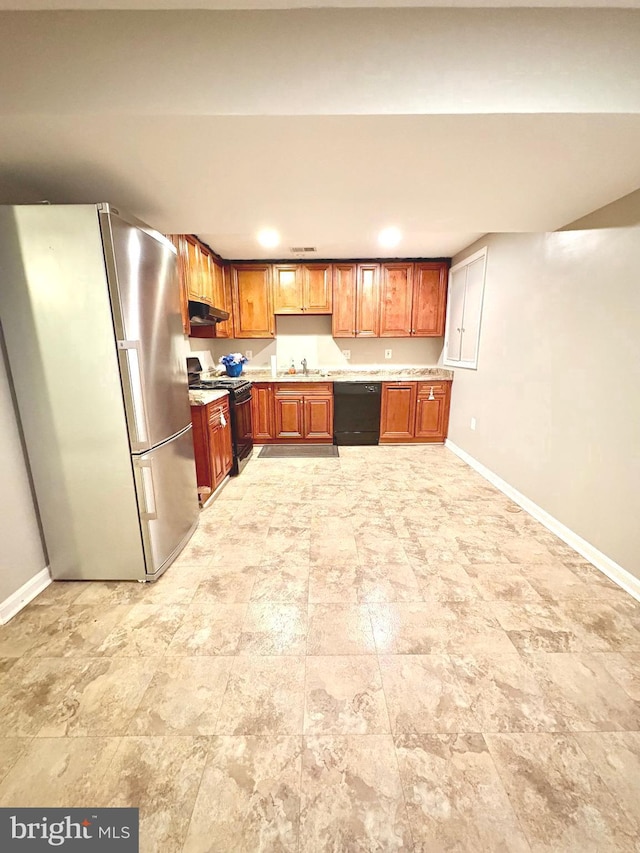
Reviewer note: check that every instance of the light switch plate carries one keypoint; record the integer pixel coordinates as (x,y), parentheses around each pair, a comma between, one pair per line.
(249,353)
(473,423)
(387,353)
(346,353)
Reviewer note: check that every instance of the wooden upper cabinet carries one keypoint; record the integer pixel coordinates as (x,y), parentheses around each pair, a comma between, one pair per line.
(222,281)
(396,298)
(287,289)
(344,301)
(356,300)
(252,304)
(368,301)
(429,299)
(317,288)
(302,288)
(193,269)
(180,243)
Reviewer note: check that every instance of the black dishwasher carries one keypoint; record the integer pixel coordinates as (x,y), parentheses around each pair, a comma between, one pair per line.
(356,412)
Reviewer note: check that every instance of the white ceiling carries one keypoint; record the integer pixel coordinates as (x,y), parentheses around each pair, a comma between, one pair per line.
(132,109)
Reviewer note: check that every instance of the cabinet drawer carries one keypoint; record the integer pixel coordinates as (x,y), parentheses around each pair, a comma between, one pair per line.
(306,388)
(425,388)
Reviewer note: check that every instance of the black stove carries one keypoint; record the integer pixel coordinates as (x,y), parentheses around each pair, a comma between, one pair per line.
(239,389)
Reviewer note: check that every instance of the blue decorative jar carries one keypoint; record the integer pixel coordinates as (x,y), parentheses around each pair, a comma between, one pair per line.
(233,369)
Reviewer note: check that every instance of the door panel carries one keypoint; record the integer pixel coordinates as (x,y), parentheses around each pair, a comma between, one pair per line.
(318,417)
(397,420)
(429,299)
(289,417)
(317,288)
(287,289)
(343,319)
(395,300)
(455,313)
(143,280)
(472,310)
(368,301)
(167,497)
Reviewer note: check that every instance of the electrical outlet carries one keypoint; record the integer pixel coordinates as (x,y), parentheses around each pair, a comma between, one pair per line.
(473,423)
(249,353)
(346,353)
(387,353)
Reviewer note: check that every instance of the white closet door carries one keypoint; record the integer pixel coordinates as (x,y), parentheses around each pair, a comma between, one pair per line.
(472,312)
(455,312)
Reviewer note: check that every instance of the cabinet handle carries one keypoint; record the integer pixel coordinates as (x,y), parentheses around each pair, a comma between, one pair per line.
(458,329)
(431,397)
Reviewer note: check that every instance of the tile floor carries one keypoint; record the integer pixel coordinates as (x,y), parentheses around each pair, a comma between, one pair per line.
(373,653)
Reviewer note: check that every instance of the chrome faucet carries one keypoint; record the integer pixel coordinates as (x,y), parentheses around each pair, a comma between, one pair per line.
(305,371)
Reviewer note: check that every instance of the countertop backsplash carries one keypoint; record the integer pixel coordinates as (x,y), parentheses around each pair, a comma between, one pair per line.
(310,338)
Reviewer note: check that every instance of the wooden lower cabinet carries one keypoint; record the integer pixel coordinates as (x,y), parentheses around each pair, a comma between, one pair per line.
(415,411)
(212,444)
(289,412)
(262,411)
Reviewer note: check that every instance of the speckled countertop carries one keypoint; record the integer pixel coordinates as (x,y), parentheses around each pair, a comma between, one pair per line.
(386,374)
(203,398)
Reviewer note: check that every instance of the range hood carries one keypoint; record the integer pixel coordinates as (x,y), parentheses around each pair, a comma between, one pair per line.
(201,314)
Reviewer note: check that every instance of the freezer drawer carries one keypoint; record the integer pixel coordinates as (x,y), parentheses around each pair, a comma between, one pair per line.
(168,500)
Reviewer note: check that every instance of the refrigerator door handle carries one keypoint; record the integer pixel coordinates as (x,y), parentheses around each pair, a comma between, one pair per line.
(149,512)
(129,352)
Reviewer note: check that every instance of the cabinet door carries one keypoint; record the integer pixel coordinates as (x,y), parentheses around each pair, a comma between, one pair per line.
(202,450)
(317,288)
(395,300)
(223,285)
(432,411)
(225,440)
(429,300)
(368,301)
(398,415)
(217,454)
(343,319)
(252,305)
(194,267)
(318,417)
(287,289)
(206,276)
(289,416)
(262,411)
(180,243)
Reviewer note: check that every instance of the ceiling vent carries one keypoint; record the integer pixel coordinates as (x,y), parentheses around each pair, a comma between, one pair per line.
(298,250)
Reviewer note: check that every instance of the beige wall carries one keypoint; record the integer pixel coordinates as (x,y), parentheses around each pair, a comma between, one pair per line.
(310,337)
(21,554)
(557,391)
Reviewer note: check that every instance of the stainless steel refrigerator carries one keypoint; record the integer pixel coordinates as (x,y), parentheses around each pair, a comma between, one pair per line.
(89,305)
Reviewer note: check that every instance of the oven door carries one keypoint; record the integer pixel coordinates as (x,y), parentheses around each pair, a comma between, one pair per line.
(242,434)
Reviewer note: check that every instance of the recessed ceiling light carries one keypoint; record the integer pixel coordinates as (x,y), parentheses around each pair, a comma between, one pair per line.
(269,238)
(389,237)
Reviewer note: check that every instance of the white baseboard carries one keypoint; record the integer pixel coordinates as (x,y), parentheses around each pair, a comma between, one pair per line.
(607,566)
(21,597)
